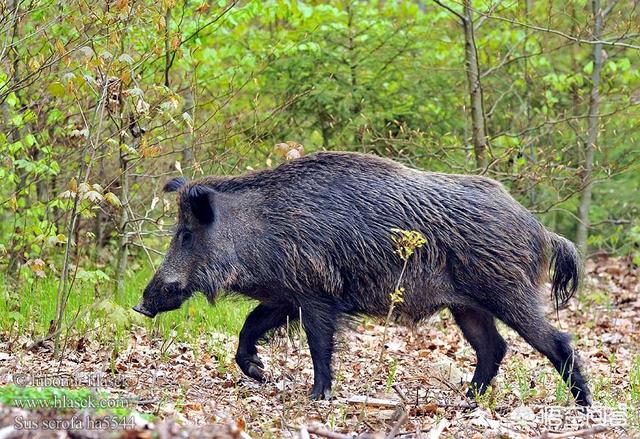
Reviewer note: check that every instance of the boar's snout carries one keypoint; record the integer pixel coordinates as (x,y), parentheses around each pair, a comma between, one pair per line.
(143,310)
(160,296)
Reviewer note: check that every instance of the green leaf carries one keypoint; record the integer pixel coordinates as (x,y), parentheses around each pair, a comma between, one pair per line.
(12,100)
(112,199)
(56,89)
(17,120)
(16,316)
(30,139)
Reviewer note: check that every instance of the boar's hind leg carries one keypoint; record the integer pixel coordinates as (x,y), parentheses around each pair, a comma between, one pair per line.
(531,324)
(260,321)
(479,328)
(319,321)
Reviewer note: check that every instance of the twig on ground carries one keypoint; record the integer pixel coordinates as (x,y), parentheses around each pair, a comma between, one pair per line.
(327,433)
(448,384)
(396,428)
(460,405)
(436,431)
(368,424)
(373,402)
(399,392)
(586,432)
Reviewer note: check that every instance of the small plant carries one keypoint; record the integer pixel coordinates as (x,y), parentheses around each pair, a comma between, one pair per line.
(522,379)
(221,354)
(406,242)
(634,384)
(603,391)
(488,399)
(391,376)
(397,296)
(562,391)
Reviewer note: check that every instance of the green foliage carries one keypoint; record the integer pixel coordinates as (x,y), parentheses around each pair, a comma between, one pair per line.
(94,312)
(66,400)
(634,381)
(391,374)
(13,395)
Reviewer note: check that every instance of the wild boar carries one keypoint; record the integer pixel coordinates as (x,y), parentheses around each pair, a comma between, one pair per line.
(311,238)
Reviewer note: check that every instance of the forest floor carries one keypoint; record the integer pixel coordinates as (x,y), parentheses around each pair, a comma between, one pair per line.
(416,390)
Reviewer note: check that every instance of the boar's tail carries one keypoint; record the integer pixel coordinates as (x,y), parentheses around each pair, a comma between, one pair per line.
(566,269)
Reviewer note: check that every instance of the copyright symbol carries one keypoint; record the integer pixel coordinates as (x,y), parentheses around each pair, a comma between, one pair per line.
(21,379)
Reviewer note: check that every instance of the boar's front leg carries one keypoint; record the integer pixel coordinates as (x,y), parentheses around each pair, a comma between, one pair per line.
(259,321)
(319,322)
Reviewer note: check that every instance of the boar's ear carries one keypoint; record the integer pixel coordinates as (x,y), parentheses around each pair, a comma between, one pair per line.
(174,184)
(200,199)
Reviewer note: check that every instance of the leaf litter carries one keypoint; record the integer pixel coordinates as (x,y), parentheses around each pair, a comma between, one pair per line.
(194,390)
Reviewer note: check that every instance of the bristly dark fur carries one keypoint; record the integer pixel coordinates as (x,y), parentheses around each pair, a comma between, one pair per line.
(566,270)
(313,236)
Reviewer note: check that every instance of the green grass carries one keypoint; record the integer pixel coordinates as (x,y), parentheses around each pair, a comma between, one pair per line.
(94,311)
(65,400)
(391,374)
(12,395)
(634,380)
(634,392)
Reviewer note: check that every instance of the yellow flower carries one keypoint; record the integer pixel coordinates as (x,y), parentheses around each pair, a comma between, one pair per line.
(406,242)
(398,295)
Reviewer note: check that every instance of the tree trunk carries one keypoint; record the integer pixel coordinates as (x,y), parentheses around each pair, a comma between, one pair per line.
(121,264)
(592,132)
(476,100)
(356,103)
(189,108)
(13,134)
(99,220)
(531,185)
(167,46)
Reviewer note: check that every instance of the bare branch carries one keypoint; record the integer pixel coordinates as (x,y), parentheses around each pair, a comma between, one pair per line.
(579,40)
(442,5)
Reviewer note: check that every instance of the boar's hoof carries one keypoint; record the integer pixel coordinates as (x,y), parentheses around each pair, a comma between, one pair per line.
(320,392)
(251,366)
(584,400)
(473,391)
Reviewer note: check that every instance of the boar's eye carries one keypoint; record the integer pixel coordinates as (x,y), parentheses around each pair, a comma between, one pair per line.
(186,237)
